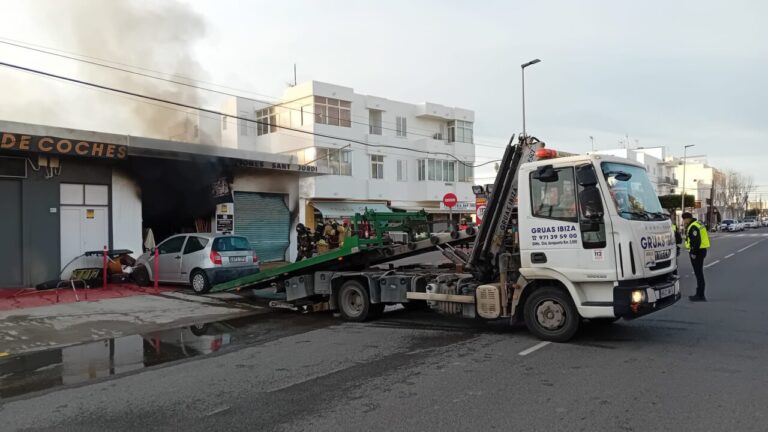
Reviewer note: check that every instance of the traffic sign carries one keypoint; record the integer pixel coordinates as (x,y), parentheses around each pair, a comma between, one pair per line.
(480,206)
(450,200)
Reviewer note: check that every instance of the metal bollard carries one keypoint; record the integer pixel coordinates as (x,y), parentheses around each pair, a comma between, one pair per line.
(105,268)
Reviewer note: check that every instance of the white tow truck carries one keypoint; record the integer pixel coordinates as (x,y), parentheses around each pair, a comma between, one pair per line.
(563,240)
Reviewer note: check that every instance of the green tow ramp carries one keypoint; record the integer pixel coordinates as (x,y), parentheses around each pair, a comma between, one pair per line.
(377,223)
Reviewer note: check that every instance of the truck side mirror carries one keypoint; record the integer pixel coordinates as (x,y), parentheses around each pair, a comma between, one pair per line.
(585,175)
(591,204)
(545,174)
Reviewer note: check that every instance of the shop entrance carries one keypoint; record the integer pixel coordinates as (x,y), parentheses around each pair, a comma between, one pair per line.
(10,232)
(176,195)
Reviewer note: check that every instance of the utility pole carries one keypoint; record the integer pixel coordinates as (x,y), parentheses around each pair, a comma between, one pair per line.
(710,213)
(682,196)
(522,68)
(592,139)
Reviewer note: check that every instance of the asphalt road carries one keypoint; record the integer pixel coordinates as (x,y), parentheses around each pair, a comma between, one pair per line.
(691,367)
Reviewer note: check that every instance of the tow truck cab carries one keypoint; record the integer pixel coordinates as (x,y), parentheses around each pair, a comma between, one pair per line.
(594,224)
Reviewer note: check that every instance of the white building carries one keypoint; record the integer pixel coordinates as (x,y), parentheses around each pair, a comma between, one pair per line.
(383,154)
(705,183)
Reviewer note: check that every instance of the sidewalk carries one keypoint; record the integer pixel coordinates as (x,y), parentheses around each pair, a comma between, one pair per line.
(39,328)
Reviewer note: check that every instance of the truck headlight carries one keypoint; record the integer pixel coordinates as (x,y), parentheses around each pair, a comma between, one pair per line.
(638,296)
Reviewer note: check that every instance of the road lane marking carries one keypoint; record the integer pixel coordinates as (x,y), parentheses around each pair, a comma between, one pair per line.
(747,247)
(729,256)
(217,411)
(711,264)
(538,346)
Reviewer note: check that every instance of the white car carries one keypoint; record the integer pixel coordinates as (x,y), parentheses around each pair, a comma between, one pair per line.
(200,260)
(726,225)
(751,222)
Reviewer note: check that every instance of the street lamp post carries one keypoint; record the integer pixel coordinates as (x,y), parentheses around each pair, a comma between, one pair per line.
(682,196)
(522,67)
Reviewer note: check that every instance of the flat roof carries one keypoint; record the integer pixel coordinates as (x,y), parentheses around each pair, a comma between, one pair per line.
(151,147)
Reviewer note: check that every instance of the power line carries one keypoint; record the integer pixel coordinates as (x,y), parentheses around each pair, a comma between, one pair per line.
(210,111)
(48,50)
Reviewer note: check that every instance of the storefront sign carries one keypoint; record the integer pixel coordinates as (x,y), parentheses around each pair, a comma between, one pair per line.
(61,146)
(461,206)
(277,166)
(225,219)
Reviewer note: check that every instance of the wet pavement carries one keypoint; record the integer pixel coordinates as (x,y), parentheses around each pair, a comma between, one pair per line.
(77,364)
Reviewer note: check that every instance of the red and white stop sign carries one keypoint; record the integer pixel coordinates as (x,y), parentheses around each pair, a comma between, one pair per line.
(450,200)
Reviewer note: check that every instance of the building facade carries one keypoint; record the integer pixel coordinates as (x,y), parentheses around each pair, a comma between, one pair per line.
(381,154)
(72,191)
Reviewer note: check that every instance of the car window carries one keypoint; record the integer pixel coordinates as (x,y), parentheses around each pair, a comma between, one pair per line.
(195,244)
(172,245)
(231,244)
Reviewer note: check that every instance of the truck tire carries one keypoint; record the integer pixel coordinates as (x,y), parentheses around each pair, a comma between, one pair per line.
(199,281)
(354,302)
(141,276)
(551,315)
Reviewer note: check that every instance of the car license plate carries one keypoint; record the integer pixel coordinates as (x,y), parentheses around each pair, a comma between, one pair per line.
(663,254)
(237,259)
(666,292)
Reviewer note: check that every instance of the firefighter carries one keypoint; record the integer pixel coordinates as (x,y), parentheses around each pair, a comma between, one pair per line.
(697,243)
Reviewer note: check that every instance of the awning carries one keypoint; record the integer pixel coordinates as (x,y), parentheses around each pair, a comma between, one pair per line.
(338,209)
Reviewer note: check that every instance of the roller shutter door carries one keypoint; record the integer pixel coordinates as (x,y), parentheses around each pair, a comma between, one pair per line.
(265,221)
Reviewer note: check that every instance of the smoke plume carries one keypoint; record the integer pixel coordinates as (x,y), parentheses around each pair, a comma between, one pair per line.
(160,36)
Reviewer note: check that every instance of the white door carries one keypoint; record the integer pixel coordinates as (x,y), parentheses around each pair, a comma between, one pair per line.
(82,229)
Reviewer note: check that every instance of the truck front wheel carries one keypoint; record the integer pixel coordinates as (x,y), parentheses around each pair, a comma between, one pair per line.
(354,302)
(551,315)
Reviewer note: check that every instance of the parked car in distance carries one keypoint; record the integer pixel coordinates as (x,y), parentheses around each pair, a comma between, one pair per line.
(740,225)
(200,260)
(725,225)
(751,222)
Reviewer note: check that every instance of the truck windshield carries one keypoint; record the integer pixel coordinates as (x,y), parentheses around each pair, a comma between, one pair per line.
(633,194)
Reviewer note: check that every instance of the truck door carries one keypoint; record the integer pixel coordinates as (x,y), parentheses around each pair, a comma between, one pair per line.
(567,228)
(596,234)
(550,232)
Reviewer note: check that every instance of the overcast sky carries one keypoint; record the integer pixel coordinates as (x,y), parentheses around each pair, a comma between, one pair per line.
(663,73)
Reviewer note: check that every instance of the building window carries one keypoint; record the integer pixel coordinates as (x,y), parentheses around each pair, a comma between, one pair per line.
(266,121)
(402,127)
(333,112)
(422,169)
(402,170)
(377,166)
(460,131)
(466,173)
(336,160)
(439,170)
(374,122)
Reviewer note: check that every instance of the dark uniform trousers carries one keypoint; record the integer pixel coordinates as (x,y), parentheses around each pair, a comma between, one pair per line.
(698,270)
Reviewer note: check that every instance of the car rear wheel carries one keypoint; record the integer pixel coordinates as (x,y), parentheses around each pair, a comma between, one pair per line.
(199,282)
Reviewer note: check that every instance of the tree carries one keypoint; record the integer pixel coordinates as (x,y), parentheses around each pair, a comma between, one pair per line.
(737,190)
(672,202)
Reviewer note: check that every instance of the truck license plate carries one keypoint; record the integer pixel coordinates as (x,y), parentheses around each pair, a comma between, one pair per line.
(666,292)
(661,255)
(237,259)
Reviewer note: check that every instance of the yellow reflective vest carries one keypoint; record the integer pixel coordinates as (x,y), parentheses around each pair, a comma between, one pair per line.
(702,232)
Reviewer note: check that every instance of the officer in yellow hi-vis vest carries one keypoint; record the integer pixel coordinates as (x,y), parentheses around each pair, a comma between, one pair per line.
(697,243)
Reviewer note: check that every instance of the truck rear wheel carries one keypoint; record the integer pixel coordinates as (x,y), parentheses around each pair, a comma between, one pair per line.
(551,315)
(354,302)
